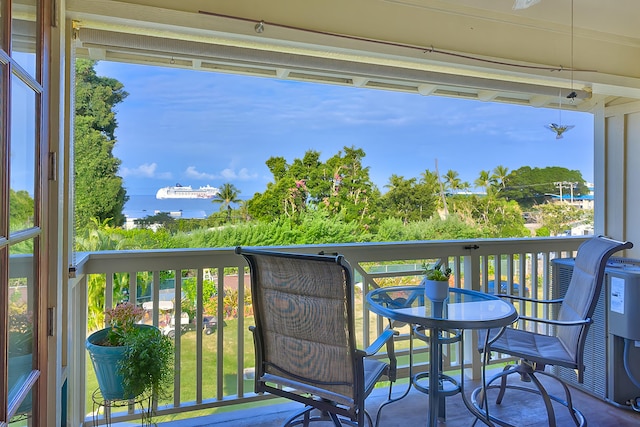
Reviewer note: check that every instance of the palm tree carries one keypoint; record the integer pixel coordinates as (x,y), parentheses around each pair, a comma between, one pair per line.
(228,194)
(452,181)
(484,180)
(499,175)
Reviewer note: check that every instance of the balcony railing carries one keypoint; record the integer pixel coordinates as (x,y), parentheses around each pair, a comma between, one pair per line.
(214,371)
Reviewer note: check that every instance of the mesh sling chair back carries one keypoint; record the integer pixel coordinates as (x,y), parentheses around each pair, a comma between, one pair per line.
(304,336)
(564,347)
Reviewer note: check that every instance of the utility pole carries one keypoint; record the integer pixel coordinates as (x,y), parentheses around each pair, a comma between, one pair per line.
(559,184)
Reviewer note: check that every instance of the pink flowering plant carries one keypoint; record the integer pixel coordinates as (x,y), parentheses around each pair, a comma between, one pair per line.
(122,319)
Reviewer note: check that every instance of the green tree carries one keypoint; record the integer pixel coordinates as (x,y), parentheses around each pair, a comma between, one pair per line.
(498,177)
(163,219)
(532,186)
(493,216)
(341,186)
(409,200)
(483,181)
(452,181)
(99,192)
(560,216)
(21,210)
(228,194)
(352,191)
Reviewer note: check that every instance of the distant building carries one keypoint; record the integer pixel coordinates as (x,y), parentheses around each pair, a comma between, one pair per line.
(584,201)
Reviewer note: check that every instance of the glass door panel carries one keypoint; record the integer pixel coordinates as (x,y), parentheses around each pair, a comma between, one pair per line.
(22,156)
(2,23)
(22,309)
(24,33)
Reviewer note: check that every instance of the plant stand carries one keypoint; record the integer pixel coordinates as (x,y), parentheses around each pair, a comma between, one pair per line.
(143,401)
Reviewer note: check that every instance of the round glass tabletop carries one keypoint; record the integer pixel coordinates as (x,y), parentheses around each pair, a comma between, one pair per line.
(463,309)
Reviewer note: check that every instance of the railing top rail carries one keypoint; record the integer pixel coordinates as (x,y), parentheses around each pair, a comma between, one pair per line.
(140,260)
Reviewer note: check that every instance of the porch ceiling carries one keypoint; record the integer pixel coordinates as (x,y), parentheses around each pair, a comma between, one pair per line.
(463,48)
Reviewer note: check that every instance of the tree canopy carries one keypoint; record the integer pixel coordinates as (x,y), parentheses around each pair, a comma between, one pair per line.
(99,191)
(530,186)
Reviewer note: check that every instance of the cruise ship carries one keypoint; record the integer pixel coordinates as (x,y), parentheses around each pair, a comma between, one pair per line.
(186,192)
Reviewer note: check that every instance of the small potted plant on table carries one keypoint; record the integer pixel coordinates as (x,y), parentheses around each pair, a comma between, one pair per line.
(130,358)
(436,282)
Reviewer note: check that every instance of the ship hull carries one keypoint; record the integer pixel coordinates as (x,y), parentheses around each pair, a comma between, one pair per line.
(186,192)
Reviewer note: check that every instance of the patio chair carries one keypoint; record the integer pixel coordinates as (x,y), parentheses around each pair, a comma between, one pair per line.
(563,346)
(305,338)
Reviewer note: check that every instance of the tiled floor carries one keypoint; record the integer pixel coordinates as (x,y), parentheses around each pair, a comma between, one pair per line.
(522,409)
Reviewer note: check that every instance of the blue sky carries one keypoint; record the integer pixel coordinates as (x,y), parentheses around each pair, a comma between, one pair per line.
(199,128)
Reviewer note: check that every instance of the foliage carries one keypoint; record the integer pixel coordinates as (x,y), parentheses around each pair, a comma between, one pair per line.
(147,365)
(340,186)
(228,194)
(438,272)
(495,217)
(20,329)
(530,186)
(122,319)
(99,191)
(409,200)
(189,288)
(20,210)
(543,232)
(163,219)
(558,217)
(453,183)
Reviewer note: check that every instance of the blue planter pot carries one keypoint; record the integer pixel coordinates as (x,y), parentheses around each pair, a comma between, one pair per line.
(105,363)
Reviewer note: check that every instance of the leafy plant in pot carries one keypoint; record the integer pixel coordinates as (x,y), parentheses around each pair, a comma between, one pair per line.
(436,282)
(129,358)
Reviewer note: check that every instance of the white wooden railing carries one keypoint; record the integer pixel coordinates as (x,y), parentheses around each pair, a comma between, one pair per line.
(522,264)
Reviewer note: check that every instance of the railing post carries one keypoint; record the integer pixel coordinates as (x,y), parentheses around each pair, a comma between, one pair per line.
(472,281)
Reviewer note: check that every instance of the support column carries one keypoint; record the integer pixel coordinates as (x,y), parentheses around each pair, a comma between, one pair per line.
(617,173)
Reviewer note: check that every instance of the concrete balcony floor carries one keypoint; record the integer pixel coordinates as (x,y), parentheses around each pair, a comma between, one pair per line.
(519,408)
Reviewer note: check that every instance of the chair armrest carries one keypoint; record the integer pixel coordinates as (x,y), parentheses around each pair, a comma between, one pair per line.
(538,301)
(557,322)
(379,342)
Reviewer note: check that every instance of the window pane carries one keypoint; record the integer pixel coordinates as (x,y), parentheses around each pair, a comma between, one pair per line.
(22,156)
(21,320)
(24,34)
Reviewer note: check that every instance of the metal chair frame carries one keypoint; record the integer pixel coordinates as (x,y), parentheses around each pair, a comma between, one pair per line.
(273,376)
(565,348)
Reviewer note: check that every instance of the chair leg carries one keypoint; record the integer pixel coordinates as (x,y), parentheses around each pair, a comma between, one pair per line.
(406,392)
(530,372)
(576,415)
(551,416)
(503,385)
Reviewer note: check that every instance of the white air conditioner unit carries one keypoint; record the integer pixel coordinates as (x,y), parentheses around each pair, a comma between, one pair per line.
(604,375)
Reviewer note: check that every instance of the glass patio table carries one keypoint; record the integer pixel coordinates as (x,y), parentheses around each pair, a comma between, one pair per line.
(462,310)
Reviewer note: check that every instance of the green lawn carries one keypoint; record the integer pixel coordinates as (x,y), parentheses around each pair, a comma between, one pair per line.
(209,360)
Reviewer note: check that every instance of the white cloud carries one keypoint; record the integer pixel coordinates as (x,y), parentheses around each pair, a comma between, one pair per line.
(242,175)
(191,172)
(228,174)
(145,170)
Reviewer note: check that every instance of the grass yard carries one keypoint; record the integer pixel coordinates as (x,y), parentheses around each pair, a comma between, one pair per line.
(209,374)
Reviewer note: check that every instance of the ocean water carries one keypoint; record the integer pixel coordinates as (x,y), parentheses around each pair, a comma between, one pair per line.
(139,206)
